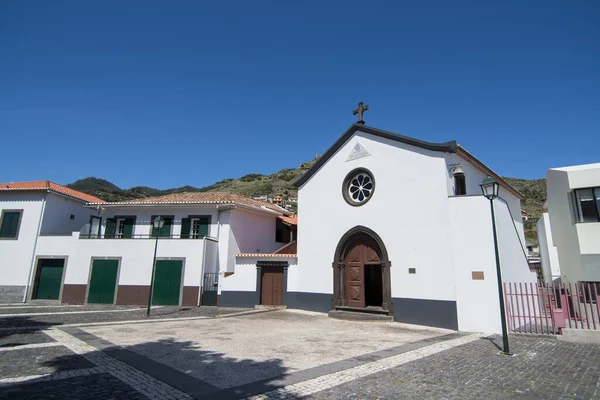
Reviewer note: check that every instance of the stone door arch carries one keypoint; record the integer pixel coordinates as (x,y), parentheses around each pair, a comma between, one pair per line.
(361,254)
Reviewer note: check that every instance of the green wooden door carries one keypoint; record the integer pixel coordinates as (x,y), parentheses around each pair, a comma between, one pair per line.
(103,282)
(167,282)
(49,278)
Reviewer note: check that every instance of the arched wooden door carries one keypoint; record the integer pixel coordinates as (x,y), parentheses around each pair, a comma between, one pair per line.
(361,272)
(362,262)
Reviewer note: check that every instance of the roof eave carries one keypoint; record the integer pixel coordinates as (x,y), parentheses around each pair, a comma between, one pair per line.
(43,190)
(461,152)
(227,206)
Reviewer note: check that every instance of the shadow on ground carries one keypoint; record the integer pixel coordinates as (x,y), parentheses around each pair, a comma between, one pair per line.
(200,373)
(19,331)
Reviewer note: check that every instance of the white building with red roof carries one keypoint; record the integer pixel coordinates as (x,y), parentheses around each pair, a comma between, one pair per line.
(28,211)
(63,245)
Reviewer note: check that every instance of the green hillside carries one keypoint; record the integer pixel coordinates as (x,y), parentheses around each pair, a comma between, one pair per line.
(535,196)
(248,185)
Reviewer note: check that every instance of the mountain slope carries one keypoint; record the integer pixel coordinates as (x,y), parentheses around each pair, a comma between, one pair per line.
(248,185)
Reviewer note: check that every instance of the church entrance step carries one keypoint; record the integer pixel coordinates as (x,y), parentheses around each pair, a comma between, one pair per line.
(358,316)
(365,310)
(265,307)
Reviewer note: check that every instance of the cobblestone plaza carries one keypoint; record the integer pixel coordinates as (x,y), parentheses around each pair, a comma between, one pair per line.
(118,353)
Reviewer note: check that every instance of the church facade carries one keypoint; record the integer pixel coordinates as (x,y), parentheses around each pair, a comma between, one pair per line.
(396,226)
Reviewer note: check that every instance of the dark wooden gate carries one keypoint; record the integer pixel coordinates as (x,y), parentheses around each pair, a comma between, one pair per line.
(271,286)
(210,288)
(359,256)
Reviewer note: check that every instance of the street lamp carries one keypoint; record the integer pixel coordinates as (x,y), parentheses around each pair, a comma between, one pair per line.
(490,187)
(158,224)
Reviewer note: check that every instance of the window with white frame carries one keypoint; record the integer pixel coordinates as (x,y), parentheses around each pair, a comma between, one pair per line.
(588,204)
(120,228)
(195,228)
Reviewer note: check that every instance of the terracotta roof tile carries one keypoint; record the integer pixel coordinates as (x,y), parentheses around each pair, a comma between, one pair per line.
(48,186)
(202,198)
(290,220)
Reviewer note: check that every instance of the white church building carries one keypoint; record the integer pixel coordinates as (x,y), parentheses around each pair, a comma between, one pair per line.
(396,226)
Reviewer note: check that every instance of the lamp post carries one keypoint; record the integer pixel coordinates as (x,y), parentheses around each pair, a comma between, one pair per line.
(158,224)
(490,187)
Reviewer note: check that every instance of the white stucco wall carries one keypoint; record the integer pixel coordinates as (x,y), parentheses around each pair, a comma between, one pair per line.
(548,252)
(577,244)
(211,256)
(143,216)
(244,278)
(136,256)
(473,178)
(254,232)
(476,300)
(513,256)
(57,216)
(15,255)
(244,231)
(408,210)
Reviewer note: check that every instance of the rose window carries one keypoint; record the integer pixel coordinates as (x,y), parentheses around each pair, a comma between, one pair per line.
(358,187)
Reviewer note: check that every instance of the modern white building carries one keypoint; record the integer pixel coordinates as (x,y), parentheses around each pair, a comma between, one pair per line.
(63,245)
(398,227)
(548,251)
(574,216)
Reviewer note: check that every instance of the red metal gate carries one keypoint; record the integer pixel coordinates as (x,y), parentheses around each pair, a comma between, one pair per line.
(547,308)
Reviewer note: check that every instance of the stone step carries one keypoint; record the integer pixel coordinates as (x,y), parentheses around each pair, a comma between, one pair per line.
(358,316)
(263,307)
(366,310)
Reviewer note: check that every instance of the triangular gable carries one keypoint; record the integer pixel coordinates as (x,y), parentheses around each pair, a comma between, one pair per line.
(447,147)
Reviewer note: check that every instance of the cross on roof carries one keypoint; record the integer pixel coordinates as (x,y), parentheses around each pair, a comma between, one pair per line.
(360,110)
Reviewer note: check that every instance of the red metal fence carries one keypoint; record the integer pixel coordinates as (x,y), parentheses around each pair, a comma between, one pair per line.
(547,308)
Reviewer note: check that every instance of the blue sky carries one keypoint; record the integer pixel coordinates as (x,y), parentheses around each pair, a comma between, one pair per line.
(165,94)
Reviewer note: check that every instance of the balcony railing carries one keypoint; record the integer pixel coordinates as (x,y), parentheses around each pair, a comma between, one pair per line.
(138,236)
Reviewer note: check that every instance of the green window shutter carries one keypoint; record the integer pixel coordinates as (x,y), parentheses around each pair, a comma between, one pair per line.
(204,224)
(185,228)
(128,228)
(111,226)
(10,224)
(166,229)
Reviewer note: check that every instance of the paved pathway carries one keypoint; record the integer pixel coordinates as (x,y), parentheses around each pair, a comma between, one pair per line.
(542,368)
(46,356)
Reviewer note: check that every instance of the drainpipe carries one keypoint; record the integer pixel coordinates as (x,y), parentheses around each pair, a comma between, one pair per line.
(39,229)
(201,287)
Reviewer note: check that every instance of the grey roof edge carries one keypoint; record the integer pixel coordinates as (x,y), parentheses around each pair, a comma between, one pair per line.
(446,147)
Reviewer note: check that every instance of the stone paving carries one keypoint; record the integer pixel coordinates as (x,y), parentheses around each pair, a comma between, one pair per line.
(542,368)
(50,354)
(237,351)
(18,315)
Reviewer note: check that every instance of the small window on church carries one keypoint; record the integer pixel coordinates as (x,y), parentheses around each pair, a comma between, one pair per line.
(358,187)
(460,184)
